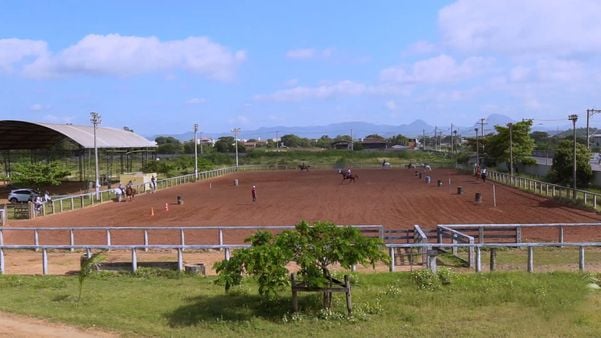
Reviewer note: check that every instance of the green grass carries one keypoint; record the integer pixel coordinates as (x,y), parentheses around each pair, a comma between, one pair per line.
(385,305)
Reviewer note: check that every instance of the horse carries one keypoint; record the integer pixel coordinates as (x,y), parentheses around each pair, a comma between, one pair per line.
(347,176)
(303,166)
(130,192)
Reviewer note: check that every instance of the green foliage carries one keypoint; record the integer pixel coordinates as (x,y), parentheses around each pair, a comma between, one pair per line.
(38,174)
(313,247)
(498,146)
(87,266)
(563,164)
(168,145)
(425,279)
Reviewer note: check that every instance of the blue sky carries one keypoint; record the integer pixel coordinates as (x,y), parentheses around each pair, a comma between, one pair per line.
(159,67)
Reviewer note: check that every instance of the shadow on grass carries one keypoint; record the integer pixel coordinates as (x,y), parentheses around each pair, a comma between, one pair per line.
(236,308)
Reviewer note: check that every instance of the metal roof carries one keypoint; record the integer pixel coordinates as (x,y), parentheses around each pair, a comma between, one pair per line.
(30,135)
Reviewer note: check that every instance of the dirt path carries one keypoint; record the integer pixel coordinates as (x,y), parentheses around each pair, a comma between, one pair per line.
(25,327)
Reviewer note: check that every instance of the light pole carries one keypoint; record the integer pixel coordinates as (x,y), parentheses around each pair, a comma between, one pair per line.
(453,143)
(574,118)
(477,148)
(195,152)
(510,149)
(236,131)
(95,119)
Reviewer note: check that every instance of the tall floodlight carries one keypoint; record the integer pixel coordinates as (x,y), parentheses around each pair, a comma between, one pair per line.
(477,148)
(236,132)
(574,118)
(95,119)
(510,149)
(195,152)
(453,143)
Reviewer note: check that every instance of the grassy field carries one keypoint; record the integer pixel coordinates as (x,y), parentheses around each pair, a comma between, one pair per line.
(385,305)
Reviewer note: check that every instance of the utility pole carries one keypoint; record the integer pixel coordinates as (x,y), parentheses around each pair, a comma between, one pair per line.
(236,132)
(510,149)
(574,118)
(424,139)
(477,148)
(455,133)
(435,140)
(482,126)
(589,113)
(277,146)
(195,152)
(95,119)
(452,144)
(352,146)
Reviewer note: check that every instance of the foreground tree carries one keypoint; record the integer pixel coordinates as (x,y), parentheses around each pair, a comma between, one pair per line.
(315,248)
(563,164)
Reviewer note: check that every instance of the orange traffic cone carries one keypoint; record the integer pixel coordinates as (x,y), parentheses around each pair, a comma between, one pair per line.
(166,206)
(151,211)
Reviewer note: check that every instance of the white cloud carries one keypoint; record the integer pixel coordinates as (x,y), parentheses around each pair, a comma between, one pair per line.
(309,53)
(391,105)
(38,107)
(15,51)
(421,47)
(517,26)
(114,54)
(439,69)
(330,90)
(196,100)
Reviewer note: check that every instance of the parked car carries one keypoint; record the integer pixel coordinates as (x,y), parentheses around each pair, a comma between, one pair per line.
(22,195)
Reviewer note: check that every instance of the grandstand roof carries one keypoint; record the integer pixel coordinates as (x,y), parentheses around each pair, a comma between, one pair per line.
(30,135)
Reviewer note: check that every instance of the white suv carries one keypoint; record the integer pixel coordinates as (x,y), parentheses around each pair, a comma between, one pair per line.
(22,195)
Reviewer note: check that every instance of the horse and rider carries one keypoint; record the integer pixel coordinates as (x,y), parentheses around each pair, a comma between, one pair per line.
(304,166)
(348,175)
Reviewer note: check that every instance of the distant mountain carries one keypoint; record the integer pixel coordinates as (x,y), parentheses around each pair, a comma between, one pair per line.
(359,130)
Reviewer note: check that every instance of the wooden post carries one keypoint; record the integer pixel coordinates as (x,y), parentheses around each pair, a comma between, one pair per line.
(44,261)
(134,260)
(220,236)
(494,196)
(478,260)
(518,234)
(581,259)
(294,292)
(146,240)
(1,261)
(561,234)
(182,238)
(481,235)
(227,254)
(71,239)
(391,266)
(108,238)
(36,239)
(347,287)
(493,259)
(530,259)
(180,260)
(470,253)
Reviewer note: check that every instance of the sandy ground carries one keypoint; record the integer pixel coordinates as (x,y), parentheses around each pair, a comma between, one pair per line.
(25,327)
(394,198)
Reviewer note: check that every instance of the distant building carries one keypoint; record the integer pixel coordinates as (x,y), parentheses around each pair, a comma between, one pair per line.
(596,140)
(374,143)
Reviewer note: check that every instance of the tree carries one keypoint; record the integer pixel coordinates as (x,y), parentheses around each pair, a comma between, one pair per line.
(315,248)
(168,145)
(398,140)
(324,142)
(292,141)
(498,147)
(38,174)
(563,162)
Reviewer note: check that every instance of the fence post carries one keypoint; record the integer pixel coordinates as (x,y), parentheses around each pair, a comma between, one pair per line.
(581,259)
(530,259)
(595,201)
(493,259)
(108,237)
(134,260)
(561,234)
(220,236)
(1,261)
(227,254)
(478,260)
(146,240)
(71,239)
(470,253)
(36,239)
(180,260)
(518,234)
(182,238)
(391,267)
(44,261)
(481,235)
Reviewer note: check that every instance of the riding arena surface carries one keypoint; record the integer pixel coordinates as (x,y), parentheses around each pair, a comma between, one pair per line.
(394,198)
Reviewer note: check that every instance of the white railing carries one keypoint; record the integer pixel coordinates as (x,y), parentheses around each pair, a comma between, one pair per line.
(541,188)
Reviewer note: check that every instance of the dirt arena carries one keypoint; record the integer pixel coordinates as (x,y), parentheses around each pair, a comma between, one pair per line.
(394,198)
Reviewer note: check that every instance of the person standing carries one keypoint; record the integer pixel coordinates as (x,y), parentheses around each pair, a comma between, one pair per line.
(253,192)
(153,183)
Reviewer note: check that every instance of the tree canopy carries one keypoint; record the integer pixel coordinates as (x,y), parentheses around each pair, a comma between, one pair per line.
(562,170)
(522,145)
(38,174)
(315,248)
